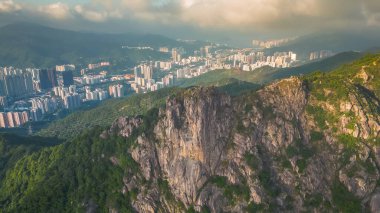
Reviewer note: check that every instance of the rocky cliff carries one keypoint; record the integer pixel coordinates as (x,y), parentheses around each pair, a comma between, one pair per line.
(300,144)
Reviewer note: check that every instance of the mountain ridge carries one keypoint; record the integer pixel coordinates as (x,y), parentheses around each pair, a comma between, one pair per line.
(339,41)
(24,44)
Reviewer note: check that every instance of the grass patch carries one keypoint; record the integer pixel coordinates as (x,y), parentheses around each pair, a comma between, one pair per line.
(343,199)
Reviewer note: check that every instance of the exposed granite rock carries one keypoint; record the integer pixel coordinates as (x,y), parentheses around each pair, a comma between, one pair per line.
(145,155)
(263,144)
(192,139)
(122,126)
(375,202)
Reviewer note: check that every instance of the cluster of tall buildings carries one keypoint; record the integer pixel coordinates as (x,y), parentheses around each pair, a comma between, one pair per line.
(98,65)
(163,49)
(320,54)
(188,72)
(67,78)
(256,60)
(63,91)
(96,95)
(71,99)
(271,43)
(15,82)
(216,64)
(154,86)
(42,106)
(143,73)
(144,77)
(146,71)
(48,79)
(117,91)
(203,51)
(66,67)
(91,79)
(163,65)
(45,91)
(13,119)
(168,80)
(176,56)
(46,104)
(168,65)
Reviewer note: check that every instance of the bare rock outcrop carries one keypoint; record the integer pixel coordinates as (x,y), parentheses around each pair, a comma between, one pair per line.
(227,154)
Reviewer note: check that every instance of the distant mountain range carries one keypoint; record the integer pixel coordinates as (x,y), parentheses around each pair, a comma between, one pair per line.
(26,44)
(31,45)
(334,41)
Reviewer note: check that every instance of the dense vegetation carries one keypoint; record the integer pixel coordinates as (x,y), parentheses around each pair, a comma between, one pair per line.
(83,175)
(324,65)
(13,148)
(104,114)
(67,178)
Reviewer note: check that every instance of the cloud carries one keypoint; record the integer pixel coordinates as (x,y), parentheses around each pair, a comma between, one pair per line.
(240,16)
(57,10)
(243,15)
(90,13)
(266,14)
(8,6)
(371,10)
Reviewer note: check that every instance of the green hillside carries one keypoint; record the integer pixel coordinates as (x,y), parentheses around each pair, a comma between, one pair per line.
(104,114)
(31,45)
(68,178)
(357,80)
(324,65)
(13,148)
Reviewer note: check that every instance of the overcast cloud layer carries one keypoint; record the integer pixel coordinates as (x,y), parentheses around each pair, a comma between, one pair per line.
(246,17)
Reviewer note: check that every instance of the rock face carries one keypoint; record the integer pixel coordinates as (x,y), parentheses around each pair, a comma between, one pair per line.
(123,126)
(192,139)
(260,151)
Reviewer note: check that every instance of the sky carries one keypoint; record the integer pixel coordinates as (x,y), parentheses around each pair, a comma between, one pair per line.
(223,20)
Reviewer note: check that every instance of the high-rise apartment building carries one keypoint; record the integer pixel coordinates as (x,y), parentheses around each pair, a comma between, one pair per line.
(15,82)
(48,79)
(68,78)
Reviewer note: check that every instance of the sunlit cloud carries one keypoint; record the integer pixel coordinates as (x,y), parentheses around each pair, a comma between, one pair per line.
(8,6)
(56,10)
(241,16)
(98,12)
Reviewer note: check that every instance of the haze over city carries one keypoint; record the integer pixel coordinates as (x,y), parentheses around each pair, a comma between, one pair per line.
(218,20)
